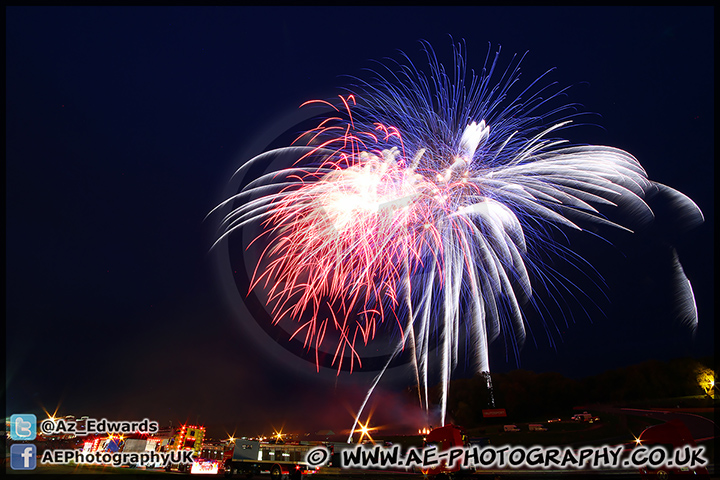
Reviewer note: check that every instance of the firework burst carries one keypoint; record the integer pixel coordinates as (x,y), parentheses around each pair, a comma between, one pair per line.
(420,204)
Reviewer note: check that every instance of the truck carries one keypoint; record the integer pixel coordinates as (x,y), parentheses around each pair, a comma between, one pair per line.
(182,439)
(582,417)
(671,435)
(212,457)
(444,438)
(251,457)
(140,445)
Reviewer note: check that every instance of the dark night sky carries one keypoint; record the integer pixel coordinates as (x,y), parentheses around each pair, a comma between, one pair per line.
(125,124)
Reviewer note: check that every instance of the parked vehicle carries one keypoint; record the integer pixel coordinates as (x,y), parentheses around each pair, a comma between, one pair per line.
(582,417)
(251,457)
(673,434)
(445,438)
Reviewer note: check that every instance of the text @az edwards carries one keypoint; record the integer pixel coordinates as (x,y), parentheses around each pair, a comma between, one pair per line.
(93,426)
(513,457)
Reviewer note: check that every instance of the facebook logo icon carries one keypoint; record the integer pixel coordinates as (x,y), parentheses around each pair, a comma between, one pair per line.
(23,456)
(22,426)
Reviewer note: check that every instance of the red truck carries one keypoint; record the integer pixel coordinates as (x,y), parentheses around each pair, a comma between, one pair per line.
(444,438)
(671,435)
